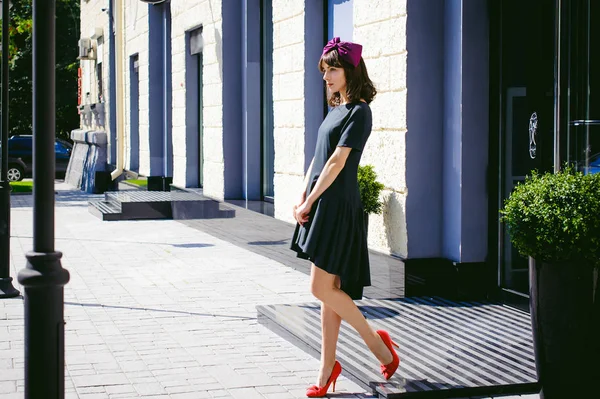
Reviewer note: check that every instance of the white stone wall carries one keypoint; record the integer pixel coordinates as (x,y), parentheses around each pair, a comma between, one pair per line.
(93,17)
(185,16)
(136,42)
(380,26)
(288,104)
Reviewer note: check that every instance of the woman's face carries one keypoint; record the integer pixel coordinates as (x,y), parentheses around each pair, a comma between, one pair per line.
(335,78)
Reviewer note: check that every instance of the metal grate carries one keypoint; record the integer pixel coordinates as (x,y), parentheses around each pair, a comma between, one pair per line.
(152,196)
(446,347)
(105,210)
(106,207)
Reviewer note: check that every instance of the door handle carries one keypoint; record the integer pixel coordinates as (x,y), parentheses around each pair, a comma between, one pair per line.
(533,125)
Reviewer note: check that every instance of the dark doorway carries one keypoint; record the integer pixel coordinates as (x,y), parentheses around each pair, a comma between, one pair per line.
(200,61)
(267,126)
(134,114)
(545,104)
(194,108)
(524,39)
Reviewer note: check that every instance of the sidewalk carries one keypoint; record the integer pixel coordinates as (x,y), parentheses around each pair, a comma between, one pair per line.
(158,309)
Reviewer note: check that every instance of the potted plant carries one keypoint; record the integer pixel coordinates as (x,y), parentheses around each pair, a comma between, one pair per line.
(370,190)
(554,219)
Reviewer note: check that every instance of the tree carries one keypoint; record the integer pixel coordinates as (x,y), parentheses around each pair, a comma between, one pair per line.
(21,72)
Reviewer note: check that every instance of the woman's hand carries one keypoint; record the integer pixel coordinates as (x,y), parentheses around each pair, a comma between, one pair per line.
(301,212)
(300,202)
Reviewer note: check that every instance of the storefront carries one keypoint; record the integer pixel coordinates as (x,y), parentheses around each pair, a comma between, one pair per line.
(544,107)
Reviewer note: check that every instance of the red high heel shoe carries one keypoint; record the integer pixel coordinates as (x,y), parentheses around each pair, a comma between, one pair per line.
(319,392)
(388,370)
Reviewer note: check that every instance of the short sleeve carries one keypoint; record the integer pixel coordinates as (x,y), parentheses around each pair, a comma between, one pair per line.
(355,130)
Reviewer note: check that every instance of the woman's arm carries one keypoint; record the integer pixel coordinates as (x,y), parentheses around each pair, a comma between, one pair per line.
(330,172)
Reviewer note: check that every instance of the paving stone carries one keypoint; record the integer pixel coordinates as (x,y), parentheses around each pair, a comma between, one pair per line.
(191,395)
(279,395)
(271,389)
(99,380)
(146,311)
(246,393)
(119,389)
(93,396)
(149,388)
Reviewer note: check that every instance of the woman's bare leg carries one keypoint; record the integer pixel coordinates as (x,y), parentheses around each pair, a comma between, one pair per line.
(330,329)
(324,288)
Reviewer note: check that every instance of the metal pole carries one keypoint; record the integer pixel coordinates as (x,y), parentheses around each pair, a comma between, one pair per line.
(6,288)
(44,278)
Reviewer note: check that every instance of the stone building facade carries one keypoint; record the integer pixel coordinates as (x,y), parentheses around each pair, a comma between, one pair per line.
(232,76)
(226,95)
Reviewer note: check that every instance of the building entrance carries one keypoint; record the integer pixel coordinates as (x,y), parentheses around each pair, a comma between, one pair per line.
(545,91)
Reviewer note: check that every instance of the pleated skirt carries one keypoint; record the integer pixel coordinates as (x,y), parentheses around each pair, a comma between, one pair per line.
(335,240)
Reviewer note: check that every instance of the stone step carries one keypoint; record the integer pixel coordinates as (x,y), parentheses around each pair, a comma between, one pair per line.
(140,205)
(105,210)
(447,349)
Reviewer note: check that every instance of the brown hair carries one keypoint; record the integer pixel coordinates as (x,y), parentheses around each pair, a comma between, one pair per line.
(358,83)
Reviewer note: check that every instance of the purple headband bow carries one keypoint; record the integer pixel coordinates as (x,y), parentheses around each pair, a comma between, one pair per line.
(348,51)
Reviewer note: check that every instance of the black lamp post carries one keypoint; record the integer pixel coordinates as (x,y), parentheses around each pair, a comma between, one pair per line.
(43,278)
(6,288)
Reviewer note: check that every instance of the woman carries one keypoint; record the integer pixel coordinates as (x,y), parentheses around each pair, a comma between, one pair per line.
(331,230)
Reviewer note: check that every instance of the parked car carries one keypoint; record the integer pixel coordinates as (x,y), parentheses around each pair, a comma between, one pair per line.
(20,156)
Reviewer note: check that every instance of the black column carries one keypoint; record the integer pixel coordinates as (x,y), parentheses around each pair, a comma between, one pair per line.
(43,278)
(6,288)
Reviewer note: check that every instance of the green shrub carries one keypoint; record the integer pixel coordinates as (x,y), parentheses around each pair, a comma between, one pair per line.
(556,217)
(370,189)
(138,182)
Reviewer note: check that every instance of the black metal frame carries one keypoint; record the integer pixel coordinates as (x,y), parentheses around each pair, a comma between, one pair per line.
(497,147)
(565,22)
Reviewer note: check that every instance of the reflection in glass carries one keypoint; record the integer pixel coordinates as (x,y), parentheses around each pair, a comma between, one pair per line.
(583,108)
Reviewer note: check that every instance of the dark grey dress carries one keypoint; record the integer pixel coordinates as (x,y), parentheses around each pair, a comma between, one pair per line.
(335,236)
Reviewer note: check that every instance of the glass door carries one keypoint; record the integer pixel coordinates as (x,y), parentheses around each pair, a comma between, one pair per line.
(582,78)
(526,135)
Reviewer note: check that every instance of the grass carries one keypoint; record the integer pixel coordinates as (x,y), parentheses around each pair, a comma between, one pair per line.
(138,182)
(22,186)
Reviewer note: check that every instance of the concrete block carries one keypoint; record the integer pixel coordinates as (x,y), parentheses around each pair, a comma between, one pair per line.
(289,31)
(286,9)
(370,11)
(87,158)
(389,110)
(288,114)
(289,150)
